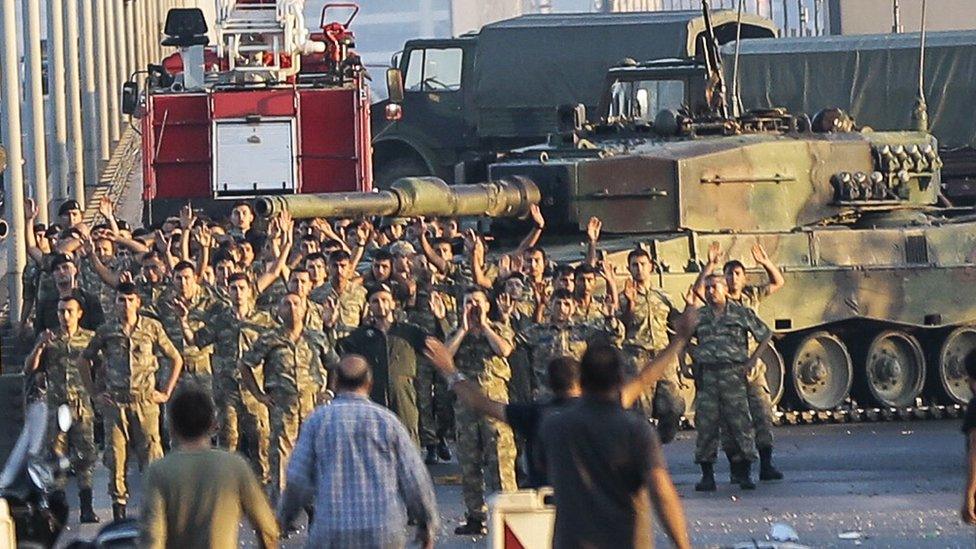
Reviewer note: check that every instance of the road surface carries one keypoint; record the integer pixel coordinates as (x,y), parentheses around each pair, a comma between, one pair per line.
(892,484)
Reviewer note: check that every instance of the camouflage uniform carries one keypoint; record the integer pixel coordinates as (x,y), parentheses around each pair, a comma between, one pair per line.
(293,378)
(238,410)
(351,302)
(129,379)
(66,386)
(196,358)
(719,355)
(486,447)
(646,335)
(549,341)
(760,402)
(91,283)
(591,312)
(435,403)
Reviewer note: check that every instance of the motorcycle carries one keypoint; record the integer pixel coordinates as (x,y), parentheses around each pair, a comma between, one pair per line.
(33,497)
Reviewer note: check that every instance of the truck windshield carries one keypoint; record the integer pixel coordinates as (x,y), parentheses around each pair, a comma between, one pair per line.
(640,100)
(434,69)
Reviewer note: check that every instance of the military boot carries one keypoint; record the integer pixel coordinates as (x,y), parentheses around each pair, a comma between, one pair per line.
(473,527)
(443,450)
(767,471)
(118,511)
(744,475)
(88,515)
(707,482)
(431,457)
(731,457)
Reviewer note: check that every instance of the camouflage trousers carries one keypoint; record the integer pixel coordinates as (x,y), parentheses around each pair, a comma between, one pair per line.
(722,401)
(435,404)
(239,414)
(135,422)
(662,401)
(486,452)
(78,443)
(760,408)
(289,414)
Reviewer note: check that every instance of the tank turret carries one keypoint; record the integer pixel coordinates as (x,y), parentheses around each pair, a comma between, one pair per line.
(410,197)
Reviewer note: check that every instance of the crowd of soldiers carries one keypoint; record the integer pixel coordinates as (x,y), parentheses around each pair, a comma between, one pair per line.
(257,313)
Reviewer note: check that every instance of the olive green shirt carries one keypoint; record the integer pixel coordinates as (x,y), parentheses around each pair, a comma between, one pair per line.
(231,337)
(195,499)
(647,326)
(60,361)
(130,359)
(724,338)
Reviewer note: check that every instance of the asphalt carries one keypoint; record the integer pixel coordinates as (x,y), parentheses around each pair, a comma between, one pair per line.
(885,485)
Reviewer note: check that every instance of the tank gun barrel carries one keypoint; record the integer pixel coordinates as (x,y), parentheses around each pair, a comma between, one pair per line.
(410,197)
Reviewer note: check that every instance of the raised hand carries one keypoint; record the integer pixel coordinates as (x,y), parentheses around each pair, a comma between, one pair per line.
(685,325)
(364,231)
(437,306)
(186,216)
(714,253)
(535,213)
(439,356)
(759,254)
(30,211)
(125,277)
(47,336)
(505,304)
(105,207)
(593,227)
(330,311)
(630,290)
(181,310)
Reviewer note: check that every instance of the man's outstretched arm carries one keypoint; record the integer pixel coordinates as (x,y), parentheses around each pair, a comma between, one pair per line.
(469,392)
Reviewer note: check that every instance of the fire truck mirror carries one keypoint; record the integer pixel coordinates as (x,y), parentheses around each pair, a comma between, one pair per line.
(394,85)
(130,97)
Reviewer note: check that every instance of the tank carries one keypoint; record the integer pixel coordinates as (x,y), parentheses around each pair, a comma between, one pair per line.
(411,197)
(871,316)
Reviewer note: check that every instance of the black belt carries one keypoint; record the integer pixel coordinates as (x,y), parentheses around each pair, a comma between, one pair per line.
(721,365)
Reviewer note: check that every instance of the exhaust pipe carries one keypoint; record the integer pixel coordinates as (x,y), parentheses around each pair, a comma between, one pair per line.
(4,229)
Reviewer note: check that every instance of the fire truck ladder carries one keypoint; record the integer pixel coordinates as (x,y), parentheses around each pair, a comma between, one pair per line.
(249,30)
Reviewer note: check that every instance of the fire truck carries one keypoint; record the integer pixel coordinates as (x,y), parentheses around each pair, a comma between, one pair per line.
(270,108)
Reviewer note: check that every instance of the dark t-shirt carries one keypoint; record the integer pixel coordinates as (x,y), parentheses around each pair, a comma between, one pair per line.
(47,311)
(599,459)
(969,420)
(525,420)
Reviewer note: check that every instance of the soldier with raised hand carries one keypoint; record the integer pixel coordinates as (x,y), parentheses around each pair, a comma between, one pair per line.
(69,382)
(292,360)
(128,395)
(232,329)
(561,335)
(346,292)
(722,360)
(486,446)
(646,312)
(186,294)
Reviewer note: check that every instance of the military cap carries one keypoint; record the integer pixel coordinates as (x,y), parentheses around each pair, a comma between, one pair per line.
(67,206)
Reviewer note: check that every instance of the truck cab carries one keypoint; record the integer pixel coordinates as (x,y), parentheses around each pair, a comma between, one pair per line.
(434,126)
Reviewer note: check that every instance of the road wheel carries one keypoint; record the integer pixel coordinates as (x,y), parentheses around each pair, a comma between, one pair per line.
(820,371)
(396,168)
(894,369)
(951,372)
(775,372)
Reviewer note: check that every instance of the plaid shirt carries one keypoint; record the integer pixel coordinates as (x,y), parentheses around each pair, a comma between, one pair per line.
(368,476)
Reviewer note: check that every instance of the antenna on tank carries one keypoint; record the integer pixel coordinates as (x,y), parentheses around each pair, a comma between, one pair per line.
(920,113)
(736,99)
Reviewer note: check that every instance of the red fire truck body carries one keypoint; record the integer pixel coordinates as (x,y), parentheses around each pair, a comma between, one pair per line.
(301,127)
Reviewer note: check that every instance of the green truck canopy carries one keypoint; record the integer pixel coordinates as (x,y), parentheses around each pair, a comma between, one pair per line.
(527,65)
(873,77)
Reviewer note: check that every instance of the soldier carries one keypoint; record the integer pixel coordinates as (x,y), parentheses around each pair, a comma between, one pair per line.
(128,397)
(588,307)
(241,218)
(721,362)
(347,292)
(232,329)
(185,294)
(300,284)
(318,271)
(434,402)
(392,348)
(65,273)
(381,268)
(645,312)
(292,359)
(69,382)
(486,447)
(563,337)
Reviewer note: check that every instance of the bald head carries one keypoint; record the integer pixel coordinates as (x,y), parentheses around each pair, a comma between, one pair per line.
(353,374)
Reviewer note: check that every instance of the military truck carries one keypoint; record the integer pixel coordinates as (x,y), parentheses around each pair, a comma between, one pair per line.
(872,77)
(469,98)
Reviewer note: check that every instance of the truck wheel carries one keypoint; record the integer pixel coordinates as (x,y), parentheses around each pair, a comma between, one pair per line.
(396,168)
